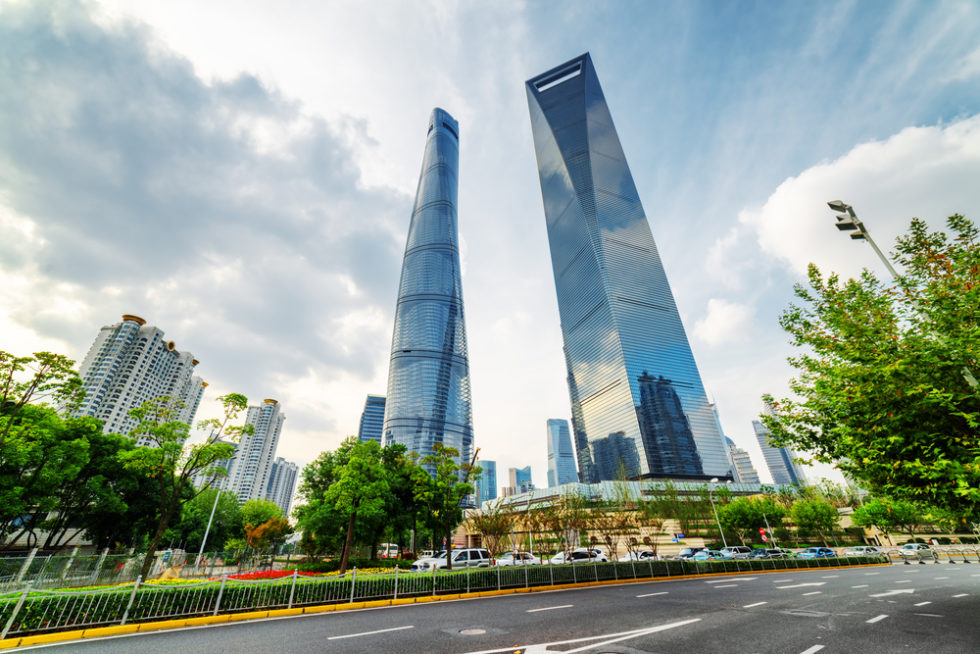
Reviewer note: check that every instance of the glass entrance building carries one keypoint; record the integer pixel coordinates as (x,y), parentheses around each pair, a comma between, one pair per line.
(428,399)
(638,404)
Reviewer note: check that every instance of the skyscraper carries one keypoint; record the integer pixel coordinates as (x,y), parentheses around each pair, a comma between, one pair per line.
(520,480)
(487,486)
(638,403)
(428,399)
(252,463)
(129,363)
(779,459)
(372,419)
(282,482)
(561,457)
(745,472)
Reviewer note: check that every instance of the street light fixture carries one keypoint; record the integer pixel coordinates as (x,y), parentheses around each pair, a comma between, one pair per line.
(847,221)
(714,480)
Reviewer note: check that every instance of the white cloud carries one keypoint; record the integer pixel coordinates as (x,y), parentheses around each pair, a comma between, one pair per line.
(966,68)
(929,172)
(724,322)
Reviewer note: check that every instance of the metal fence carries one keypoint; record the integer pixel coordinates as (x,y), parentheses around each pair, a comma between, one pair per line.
(32,611)
(940,554)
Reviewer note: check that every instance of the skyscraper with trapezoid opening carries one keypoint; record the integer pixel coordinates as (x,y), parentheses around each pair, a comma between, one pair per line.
(638,405)
(428,399)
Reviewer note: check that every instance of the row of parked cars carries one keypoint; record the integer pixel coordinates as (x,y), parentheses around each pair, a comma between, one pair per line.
(477,557)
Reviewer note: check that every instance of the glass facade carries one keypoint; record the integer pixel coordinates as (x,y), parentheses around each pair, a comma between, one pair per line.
(486,488)
(778,459)
(428,399)
(638,403)
(561,457)
(372,419)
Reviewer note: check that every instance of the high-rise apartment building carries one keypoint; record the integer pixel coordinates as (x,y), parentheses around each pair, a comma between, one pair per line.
(780,461)
(745,472)
(561,456)
(638,403)
(372,419)
(486,487)
(282,483)
(129,363)
(428,399)
(252,465)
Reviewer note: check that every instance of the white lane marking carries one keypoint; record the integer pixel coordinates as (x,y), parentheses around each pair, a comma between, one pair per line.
(938,578)
(868,574)
(811,583)
(860,586)
(550,608)
(727,579)
(663,592)
(781,581)
(960,595)
(922,603)
(749,606)
(904,581)
(543,646)
(370,633)
(829,576)
(643,632)
(877,618)
(929,615)
(726,586)
(812,650)
(816,592)
(894,592)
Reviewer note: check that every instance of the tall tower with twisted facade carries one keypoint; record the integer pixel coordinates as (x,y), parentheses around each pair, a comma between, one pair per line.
(428,399)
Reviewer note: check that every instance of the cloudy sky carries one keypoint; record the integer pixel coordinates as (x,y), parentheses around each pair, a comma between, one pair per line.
(241,174)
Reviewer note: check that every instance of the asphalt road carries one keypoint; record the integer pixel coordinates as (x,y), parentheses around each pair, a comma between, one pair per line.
(916,608)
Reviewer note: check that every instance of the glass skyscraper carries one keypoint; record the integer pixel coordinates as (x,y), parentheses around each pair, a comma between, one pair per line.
(561,456)
(638,404)
(779,460)
(372,419)
(428,399)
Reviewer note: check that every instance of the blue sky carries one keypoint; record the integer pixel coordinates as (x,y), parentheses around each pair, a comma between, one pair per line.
(241,175)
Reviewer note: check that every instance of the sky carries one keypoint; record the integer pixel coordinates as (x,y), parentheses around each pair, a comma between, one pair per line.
(241,175)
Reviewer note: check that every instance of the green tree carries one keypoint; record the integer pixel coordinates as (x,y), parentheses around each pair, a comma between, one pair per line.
(319,520)
(267,534)
(35,380)
(442,492)
(361,489)
(746,515)
(815,515)
(493,522)
(886,386)
(172,464)
(194,515)
(888,515)
(255,512)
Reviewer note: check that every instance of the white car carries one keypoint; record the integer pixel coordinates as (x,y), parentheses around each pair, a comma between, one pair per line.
(580,555)
(736,552)
(640,555)
(470,557)
(518,558)
(861,550)
(916,550)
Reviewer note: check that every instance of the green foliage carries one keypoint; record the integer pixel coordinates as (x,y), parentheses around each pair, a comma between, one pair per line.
(440,488)
(35,380)
(194,516)
(255,512)
(746,515)
(268,534)
(886,381)
(888,515)
(493,524)
(816,515)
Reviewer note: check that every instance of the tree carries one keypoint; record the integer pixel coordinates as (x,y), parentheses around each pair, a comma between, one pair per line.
(267,534)
(360,489)
(888,515)
(171,464)
(746,515)
(887,378)
(322,525)
(194,516)
(814,515)
(441,492)
(493,524)
(257,511)
(34,380)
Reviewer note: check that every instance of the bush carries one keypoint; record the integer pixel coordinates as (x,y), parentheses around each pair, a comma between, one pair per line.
(332,565)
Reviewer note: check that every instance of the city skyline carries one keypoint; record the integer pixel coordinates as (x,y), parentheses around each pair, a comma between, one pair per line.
(253,199)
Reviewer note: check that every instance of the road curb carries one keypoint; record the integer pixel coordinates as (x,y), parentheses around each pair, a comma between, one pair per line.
(161,625)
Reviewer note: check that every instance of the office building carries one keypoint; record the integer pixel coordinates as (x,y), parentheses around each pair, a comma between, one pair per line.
(282,483)
(372,419)
(486,487)
(428,400)
(638,402)
(780,460)
(561,456)
(520,481)
(252,465)
(130,363)
(742,467)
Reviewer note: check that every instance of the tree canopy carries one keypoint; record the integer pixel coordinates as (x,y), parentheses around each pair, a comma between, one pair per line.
(886,386)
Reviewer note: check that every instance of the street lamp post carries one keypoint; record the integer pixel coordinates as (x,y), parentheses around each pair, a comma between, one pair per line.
(849,222)
(714,480)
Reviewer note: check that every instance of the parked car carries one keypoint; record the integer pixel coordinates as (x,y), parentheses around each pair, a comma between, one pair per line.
(736,552)
(688,552)
(517,558)
(640,555)
(470,557)
(817,553)
(916,550)
(708,555)
(861,550)
(579,555)
(770,553)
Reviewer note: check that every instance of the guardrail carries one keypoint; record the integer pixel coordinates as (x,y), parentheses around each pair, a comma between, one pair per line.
(952,554)
(42,611)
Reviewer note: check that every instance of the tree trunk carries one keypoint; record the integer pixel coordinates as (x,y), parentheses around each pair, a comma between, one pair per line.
(345,555)
(449,550)
(162,525)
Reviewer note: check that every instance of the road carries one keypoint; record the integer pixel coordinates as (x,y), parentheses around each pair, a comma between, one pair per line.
(916,608)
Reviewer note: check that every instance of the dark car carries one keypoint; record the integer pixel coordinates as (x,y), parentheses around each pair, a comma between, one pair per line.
(770,553)
(689,552)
